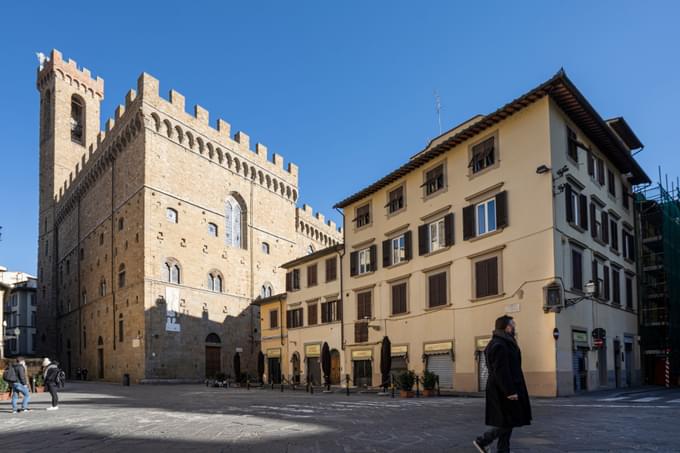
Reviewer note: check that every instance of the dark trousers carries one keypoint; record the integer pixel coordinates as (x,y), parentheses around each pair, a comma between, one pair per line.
(503,436)
(52,388)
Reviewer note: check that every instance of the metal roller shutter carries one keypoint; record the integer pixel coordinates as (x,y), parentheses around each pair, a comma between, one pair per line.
(482,371)
(442,366)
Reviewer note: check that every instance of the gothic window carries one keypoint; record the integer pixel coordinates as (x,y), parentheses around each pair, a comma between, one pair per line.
(77,119)
(171,271)
(310,249)
(215,282)
(102,287)
(267,290)
(234,224)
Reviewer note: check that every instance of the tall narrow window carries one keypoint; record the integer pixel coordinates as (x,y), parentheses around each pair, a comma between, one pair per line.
(102,287)
(486,217)
(77,119)
(234,228)
(576,269)
(572,145)
(121,276)
(121,330)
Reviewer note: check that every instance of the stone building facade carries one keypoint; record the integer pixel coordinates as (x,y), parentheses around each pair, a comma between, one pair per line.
(157,232)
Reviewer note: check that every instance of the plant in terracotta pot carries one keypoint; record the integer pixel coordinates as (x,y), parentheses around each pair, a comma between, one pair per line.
(429,383)
(4,389)
(39,383)
(405,381)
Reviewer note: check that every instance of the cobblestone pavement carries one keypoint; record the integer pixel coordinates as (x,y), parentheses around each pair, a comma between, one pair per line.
(106,417)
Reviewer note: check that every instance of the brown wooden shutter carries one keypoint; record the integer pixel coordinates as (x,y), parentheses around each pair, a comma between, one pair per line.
(423,239)
(595,278)
(373,250)
(593,220)
(583,207)
(492,272)
(468,222)
(577,269)
(615,235)
(448,230)
(600,171)
(408,245)
(433,292)
(312,315)
(605,227)
(481,279)
(502,209)
(570,207)
(274,319)
(339,308)
(605,272)
(387,253)
(591,164)
(353,263)
(289,281)
(288,318)
(296,278)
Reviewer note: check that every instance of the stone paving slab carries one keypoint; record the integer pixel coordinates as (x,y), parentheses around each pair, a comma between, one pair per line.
(110,418)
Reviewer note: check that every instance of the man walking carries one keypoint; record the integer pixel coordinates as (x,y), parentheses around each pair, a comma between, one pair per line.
(507,399)
(20,385)
(51,375)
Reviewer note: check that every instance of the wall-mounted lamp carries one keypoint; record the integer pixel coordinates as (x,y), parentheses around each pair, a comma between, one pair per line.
(541,169)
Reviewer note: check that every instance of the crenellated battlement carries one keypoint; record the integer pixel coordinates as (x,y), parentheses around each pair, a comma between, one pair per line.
(194,130)
(313,225)
(69,71)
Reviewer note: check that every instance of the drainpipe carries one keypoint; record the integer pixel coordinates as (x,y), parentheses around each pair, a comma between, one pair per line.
(342,291)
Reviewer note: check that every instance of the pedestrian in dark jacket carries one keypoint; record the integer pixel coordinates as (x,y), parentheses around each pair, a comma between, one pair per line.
(507,398)
(51,375)
(20,386)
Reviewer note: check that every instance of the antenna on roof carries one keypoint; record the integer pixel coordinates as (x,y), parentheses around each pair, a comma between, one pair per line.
(438,109)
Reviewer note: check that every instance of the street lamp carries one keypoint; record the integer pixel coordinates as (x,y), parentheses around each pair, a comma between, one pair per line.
(589,292)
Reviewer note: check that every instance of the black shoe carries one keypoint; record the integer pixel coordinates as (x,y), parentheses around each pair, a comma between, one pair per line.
(480,447)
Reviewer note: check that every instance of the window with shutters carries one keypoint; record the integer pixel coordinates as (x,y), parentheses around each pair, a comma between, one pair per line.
(611,183)
(311,275)
(361,332)
(312,314)
(625,196)
(331,269)
(486,276)
(395,200)
(437,292)
(398,249)
(365,261)
(599,167)
(614,234)
(629,291)
(616,286)
(364,305)
(485,213)
(437,235)
(293,280)
(363,215)
(483,155)
(628,245)
(577,208)
(399,298)
(273,319)
(576,269)
(329,311)
(597,278)
(294,318)
(597,216)
(434,180)
(572,145)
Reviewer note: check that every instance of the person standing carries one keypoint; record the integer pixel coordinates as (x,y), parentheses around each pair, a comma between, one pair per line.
(20,385)
(507,398)
(51,375)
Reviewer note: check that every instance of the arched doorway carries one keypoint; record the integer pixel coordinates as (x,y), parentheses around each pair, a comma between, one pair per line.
(335,367)
(100,358)
(295,361)
(213,355)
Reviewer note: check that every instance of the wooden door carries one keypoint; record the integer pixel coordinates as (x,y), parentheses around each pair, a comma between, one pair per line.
(335,367)
(213,361)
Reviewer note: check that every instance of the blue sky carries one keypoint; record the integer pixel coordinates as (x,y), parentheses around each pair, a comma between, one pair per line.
(343,89)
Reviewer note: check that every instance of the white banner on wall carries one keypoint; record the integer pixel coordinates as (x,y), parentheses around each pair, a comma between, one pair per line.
(172,309)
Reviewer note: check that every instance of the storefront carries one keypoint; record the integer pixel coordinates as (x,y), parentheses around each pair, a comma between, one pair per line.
(439,360)
(482,367)
(399,355)
(580,360)
(313,363)
(274,365)
(362,368)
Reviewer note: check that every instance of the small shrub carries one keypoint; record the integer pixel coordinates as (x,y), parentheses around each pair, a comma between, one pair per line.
(406,380)
(4,385)
(429,380)
(39,380)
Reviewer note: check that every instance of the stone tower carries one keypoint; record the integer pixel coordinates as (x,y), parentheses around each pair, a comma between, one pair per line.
(69,123)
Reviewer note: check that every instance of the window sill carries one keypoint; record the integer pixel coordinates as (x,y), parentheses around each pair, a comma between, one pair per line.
(399,315)
(614,251)
(436,252)
(486,235)
(573,161)
(395,213)
(481,299)
(362,227)
(628,260)
(427,197)
(577,227)
(438,307)
(401,263)
(472,175)
(365,274)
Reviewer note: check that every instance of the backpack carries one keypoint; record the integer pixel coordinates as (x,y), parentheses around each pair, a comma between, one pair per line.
(61,378)
(10,375)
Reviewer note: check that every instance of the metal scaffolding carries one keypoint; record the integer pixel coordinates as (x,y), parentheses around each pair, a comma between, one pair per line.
(658,206)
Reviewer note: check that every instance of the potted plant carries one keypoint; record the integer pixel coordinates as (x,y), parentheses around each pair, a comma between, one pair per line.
(220,379)
(39,383)
(429,382)
(405,381)
(4,389)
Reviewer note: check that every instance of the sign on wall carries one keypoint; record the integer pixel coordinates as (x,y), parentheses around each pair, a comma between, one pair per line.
(172,309)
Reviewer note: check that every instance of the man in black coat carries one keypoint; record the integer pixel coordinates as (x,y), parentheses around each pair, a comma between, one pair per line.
(507,398)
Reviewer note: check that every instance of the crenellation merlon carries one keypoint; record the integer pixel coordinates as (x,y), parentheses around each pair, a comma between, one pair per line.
(177,99)
(261,151)
(306,215)
(120,110)
(223,128)
(69,69)
(242,139)
(201,115)
(130,98)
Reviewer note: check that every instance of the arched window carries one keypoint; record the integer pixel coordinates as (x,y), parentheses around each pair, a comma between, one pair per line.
(102,287)
(212,229)
(45,125)
(171,271)
(77,119)
(171,215)
(215,281)
(265,248)
(310,249)
(234,226)
(121,276)
(266,290)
